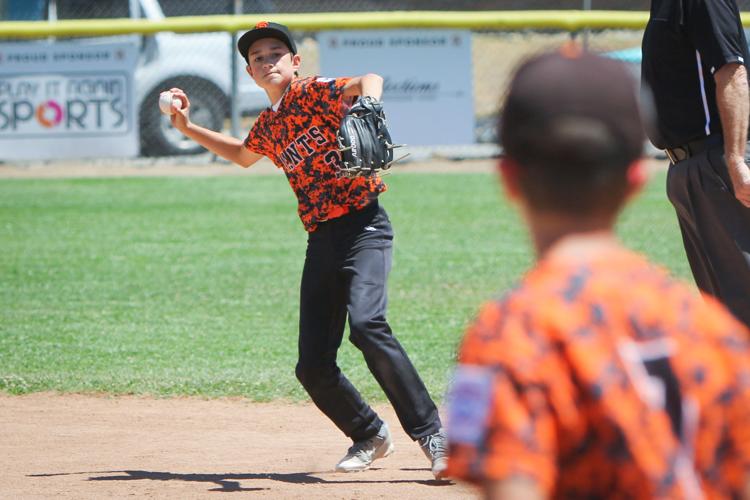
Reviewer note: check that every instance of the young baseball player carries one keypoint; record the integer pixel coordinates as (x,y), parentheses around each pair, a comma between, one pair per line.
(598,376)
(348,251)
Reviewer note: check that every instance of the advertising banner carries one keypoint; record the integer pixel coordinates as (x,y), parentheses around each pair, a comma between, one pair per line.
(67,100)
(427,94)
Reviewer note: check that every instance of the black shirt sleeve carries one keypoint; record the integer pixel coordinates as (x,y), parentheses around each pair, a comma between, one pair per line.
(715,29)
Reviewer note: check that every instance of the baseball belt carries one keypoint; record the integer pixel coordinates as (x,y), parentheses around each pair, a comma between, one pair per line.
(692,148)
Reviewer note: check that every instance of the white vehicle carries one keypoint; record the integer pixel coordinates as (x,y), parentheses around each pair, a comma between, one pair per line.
(199,63)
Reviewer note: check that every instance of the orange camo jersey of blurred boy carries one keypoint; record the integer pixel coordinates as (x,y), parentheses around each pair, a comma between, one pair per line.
(598,375)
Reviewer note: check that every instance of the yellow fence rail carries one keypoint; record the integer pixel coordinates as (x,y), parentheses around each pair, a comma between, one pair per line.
(566,20)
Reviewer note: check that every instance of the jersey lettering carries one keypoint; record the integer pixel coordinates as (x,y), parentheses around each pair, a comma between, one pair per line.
(303,141)
(661,374)
(301,148)
(333,159)
(647,364)
(317,135)
(290,157)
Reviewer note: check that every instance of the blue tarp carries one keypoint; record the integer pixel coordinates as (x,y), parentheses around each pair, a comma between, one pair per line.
(25,10)
(631,55)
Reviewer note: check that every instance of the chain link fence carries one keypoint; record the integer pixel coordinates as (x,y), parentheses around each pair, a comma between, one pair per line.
(201,63)
(20,10)
(77,9)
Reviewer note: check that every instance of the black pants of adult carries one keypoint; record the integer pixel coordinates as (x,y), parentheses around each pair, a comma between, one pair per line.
(345,273)
(715,228)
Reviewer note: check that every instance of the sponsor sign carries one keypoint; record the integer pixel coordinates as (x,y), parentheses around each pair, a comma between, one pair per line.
(427,91)
(67,100)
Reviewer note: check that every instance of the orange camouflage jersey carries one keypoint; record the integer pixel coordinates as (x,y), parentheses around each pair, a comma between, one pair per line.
(604,379)
(300,138)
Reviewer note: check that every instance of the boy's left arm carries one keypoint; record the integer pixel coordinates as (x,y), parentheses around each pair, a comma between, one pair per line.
(365,85)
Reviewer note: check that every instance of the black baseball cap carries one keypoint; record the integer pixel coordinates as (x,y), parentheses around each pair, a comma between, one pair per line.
(265,29)
(573,107)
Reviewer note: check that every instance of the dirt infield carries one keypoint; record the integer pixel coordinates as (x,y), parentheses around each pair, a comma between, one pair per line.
(74,446)
(77,446)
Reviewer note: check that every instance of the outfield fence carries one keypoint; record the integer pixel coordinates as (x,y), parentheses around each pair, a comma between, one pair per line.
(190,44)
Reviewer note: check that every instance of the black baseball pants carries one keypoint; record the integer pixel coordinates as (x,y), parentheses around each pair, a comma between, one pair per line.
(715,228)
(345,273)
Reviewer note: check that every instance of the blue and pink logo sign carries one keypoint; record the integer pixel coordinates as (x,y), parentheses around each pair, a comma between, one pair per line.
(49,114)
(80,104)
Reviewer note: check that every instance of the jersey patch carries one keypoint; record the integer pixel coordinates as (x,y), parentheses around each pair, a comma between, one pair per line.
(469,399)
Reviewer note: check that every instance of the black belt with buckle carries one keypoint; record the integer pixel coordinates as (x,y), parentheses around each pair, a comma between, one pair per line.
(693,148)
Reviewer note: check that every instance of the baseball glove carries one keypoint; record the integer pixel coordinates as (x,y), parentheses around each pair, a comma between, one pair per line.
(364,141)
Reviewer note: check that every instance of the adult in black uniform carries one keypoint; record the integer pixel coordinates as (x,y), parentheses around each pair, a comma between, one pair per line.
(694,62)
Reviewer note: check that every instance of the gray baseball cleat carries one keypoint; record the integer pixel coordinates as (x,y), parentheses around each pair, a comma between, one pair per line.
(362,453)
(435,448)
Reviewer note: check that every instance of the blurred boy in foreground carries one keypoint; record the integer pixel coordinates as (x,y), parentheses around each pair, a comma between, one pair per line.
(598,376)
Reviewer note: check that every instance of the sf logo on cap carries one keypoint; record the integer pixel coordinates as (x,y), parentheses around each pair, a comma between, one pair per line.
(262,24)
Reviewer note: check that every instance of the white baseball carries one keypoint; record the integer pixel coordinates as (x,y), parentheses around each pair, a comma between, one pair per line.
(165,102)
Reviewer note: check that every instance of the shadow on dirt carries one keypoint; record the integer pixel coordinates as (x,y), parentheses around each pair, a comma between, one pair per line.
(231,482)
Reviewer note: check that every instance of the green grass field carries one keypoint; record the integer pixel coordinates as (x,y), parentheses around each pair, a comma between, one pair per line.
(189,286)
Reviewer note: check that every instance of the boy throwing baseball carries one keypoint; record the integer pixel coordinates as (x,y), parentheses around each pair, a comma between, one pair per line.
(349,246)
(598,376)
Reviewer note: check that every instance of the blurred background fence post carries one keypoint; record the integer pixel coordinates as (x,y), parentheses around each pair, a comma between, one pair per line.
(586,6)
(235,109)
